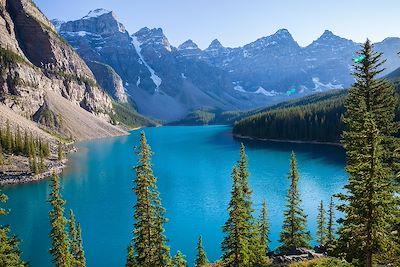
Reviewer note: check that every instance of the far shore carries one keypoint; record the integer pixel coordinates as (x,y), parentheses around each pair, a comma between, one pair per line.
(287,141)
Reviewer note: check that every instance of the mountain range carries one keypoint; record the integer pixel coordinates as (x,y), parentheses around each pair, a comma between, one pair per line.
(166,82)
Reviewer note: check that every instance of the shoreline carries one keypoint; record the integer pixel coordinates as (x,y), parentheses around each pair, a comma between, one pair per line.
(10,179)
(19,179)
(286,141)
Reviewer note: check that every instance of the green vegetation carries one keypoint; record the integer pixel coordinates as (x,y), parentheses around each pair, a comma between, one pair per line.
(263,228)
(322,230)
(149,241)
(125,114)
(320,121)
(294,234)
(27,146)
(243,244)
(8,57)
(324,262)
(66,246)
(180,260)
(201,258)
(10,255)
(60,245)
(370,203)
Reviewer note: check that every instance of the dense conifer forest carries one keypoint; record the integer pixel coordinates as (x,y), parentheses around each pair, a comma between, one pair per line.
(314,118)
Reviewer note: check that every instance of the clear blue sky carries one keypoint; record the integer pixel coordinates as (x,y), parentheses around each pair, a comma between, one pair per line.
(238,22)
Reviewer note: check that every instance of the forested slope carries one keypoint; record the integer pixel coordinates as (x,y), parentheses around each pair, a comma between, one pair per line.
(313,118)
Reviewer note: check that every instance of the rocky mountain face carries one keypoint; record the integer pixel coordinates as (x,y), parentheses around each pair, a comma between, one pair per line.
(164,82)
(168,82)
(37,66)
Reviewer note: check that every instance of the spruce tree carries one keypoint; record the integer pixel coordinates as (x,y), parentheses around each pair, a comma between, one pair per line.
(9,138)
(130,259)
(257,252)
(10,254)
(294,234)
(149,239)
(201,258)
(321,225)
(330,235)
(1,155)
(235,245)
(80,259)
(179,260)
(60,152)
(60,249)
(263,226)
(370,200)
(76,242)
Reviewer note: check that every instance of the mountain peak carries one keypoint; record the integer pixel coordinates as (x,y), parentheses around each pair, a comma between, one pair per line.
(215,44)
(188,45)
(153,37)
(282,34)
(97,13)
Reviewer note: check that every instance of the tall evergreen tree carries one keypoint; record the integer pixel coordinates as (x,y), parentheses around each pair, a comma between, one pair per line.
(263,226)
(321,225)
(235,245)
(201,258)
(294,234)
(370,200)
(330,235)
(130,259)
(60,249)
(179,260)
(9,138)
(80,254)
(1,155)
(149,239)
(77,253)
(10,254)
(60,152)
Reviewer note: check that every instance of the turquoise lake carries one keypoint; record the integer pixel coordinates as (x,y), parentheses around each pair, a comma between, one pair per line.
(193,167)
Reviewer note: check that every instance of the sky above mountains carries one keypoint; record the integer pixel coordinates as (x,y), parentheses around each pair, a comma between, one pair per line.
(238,22)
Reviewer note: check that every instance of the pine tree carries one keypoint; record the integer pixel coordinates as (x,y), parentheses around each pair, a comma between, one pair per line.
(130,259)
(235,245)
(60,249)
(321,225)
(201,258)
(330,237)
(179,260)
(26,144)
(9,138)
(257,252)
(80,254)
(370,200)
(60,152)
(73,233)
(264,227)
(149,239)
(1,155)
(10,254)
(294,234)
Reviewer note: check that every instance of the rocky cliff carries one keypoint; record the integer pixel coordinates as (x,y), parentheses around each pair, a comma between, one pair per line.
(38,66)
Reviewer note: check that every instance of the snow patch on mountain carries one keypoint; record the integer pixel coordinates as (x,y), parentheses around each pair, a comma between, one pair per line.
(96,13)
(156,79)
(262,91)
(239,89)
(320,87)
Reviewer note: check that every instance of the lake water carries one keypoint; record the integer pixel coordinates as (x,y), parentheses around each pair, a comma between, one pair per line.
(193,166)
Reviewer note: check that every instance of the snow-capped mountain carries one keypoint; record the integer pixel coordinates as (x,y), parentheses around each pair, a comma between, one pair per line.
(167,82)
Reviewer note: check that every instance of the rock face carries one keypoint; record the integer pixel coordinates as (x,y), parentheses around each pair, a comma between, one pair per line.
(36,61)
(163,81)
(167,82)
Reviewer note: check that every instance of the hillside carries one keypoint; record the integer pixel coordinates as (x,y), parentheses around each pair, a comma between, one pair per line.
(313,118)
